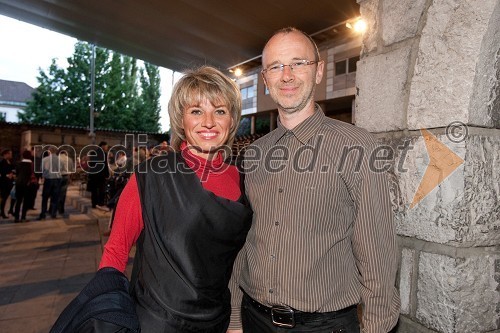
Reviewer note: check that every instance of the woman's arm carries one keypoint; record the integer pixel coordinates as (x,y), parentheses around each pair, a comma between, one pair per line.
(127,226)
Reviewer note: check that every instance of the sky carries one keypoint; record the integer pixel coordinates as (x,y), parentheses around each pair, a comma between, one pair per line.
(26,48)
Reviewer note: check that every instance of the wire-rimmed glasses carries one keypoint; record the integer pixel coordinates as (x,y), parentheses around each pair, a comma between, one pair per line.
(297,67)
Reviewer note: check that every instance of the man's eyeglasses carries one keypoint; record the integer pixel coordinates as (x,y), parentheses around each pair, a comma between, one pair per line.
(296,67)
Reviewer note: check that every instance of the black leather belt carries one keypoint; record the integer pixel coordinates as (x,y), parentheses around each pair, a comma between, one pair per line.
(285,316)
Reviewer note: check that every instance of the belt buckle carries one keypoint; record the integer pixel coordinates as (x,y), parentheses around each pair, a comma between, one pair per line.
(283,316)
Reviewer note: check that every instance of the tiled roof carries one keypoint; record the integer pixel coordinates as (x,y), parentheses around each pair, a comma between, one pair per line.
(12,91)
(98,129)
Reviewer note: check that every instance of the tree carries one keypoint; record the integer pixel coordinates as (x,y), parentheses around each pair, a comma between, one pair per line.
(126,95)
(46,102)
(121,95)
(148,107)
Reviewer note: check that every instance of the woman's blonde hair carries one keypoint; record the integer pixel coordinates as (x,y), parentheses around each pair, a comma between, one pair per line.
(195,86)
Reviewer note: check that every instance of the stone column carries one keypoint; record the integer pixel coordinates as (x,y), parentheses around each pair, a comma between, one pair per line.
(428,85)
(252,125)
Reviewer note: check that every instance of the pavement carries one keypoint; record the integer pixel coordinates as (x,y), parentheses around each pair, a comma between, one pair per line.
(45,264)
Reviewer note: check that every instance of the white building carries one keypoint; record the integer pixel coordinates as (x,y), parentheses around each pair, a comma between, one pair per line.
(13,98)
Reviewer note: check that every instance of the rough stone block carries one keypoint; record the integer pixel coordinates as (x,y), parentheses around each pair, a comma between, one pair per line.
(482,189)
(400,19)
(405,281)
(438,217)
(455,212)
(369,13)
(485,104)
(406,325)
(442,84)
(458,295)
(380,106)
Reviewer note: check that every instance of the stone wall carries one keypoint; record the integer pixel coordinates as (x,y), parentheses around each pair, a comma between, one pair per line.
(18,136)
(437,111)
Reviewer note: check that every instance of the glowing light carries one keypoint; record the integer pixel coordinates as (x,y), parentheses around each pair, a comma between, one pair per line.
(358,26)
(238,72)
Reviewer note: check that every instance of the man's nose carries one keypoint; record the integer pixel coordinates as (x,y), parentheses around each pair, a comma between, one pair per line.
(287,74)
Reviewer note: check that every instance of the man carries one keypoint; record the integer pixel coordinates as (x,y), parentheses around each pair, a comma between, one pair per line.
(322,239)
(66,168)
(98,171)
(25,177)
(51,183)
(6,179)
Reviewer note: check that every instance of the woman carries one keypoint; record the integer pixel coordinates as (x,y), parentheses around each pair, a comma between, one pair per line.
(25,178)
(186,212)
(6,179)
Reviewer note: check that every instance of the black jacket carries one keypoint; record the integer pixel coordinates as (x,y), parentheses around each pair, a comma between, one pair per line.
(103,306)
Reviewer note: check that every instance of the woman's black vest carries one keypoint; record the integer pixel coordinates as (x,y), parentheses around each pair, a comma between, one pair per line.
(185,254)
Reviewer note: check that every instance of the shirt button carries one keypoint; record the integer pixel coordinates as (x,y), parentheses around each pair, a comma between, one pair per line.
(273,256)
(271,290)
(280,190)
(276,223)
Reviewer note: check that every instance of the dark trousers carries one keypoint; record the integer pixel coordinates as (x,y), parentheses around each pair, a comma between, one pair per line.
(51,188)
(31,195)
(5,187)
(22,192)
(62,194)
(255,321)
(98,193)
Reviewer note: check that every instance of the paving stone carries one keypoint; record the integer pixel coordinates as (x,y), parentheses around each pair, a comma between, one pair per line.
(45,264)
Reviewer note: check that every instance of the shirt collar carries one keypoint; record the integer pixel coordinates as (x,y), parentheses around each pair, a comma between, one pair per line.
(303,131)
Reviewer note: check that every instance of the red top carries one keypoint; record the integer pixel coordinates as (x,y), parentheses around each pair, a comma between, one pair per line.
(215,176)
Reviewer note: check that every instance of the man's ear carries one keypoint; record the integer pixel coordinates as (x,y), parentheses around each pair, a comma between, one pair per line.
(320,71)
(264,78)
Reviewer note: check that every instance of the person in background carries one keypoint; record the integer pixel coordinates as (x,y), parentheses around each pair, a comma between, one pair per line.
(51,183)
(120,173)
(186,212)
(66,168)
(6,179)
(98,173)
(25,174)
(164,148)
(30,197)
(322,239)
(13,196)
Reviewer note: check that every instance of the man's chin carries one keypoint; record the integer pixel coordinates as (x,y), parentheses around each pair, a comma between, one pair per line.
(289,109)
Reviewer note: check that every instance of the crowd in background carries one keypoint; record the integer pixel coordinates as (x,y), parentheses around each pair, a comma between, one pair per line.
(54,170)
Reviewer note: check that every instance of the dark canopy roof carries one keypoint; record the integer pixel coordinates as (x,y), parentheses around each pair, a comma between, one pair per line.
(181,33)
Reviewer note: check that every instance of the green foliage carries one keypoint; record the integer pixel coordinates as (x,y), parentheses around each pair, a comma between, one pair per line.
(148,106)
(126,96)
(262,126)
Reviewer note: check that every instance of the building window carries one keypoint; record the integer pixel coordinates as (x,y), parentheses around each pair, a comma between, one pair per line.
(247,95)
(247,92)
(340,67)
(346,66)
(352,67)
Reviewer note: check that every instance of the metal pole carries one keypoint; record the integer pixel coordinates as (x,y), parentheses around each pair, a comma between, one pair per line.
(92,88)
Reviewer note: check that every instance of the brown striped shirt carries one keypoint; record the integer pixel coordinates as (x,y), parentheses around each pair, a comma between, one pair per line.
(322,236)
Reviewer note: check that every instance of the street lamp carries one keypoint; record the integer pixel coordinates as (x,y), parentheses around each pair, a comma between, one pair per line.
(92,93)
